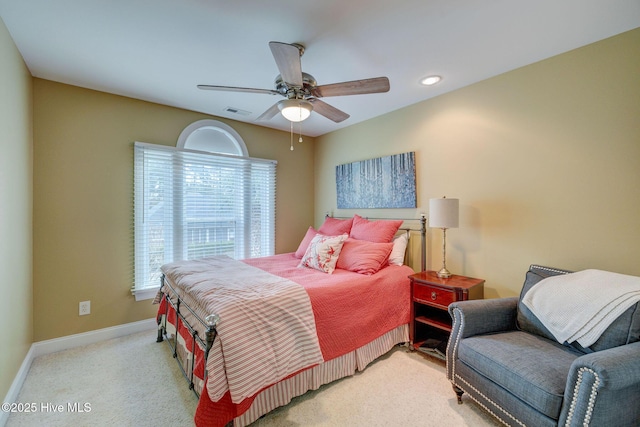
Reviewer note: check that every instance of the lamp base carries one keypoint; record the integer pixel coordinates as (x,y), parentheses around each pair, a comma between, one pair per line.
(444,273)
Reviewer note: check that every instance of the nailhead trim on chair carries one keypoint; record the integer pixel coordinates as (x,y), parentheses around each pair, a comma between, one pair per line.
(552,270)
(492,402)
(456,319)
(592,396)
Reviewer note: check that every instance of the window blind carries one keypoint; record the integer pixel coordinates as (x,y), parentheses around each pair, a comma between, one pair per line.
(190,204)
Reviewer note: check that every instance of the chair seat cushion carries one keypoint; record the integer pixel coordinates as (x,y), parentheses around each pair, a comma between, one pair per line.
(532,368)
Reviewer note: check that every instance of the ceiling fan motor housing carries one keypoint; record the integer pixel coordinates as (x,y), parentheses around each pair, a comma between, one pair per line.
(293,92)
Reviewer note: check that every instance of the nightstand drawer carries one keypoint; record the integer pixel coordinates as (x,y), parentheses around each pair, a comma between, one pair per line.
(433,295)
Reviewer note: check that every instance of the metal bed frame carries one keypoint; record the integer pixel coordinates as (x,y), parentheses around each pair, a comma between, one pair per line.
(211,321)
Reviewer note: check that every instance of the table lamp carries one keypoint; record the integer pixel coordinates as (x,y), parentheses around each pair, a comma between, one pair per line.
(443,213)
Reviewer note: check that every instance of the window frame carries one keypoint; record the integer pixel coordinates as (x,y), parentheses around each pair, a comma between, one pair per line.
(231,134)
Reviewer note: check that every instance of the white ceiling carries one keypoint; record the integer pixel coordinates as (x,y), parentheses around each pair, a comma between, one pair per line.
(159,50)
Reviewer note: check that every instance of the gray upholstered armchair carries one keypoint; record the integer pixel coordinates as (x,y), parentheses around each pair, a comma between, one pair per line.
(503,357)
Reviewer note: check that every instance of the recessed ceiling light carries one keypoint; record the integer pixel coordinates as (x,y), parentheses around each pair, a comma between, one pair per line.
(430,80)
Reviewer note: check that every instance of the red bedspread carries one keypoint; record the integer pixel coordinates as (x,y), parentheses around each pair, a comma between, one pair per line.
(350,309)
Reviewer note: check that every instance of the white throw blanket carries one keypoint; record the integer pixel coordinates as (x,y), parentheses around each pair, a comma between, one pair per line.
(581,306)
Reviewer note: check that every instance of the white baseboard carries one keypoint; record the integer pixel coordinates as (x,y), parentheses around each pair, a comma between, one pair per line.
(86,338)
(16,385)
(64,343)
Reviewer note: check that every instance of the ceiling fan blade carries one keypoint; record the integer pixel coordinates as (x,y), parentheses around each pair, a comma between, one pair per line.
(287,58)
(238,89)
(268,115)
(356,87)
(331,113)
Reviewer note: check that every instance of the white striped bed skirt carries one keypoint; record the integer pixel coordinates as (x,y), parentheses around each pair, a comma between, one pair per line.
(281,393)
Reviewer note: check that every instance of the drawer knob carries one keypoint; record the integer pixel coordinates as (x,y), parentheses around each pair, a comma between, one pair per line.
(434,295)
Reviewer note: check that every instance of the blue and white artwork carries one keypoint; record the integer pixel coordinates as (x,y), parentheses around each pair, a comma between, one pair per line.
(384,182)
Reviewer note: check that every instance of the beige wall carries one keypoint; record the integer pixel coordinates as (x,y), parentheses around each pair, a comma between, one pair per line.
(16,166)
(83,211)
(545,161)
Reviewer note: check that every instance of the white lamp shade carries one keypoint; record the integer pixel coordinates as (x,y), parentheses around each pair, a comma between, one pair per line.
(295,110)
(443,213)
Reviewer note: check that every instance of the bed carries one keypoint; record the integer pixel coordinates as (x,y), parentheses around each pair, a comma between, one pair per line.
(250,335)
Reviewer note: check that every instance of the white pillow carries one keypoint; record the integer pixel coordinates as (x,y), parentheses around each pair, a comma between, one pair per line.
(323,252)
(396,257)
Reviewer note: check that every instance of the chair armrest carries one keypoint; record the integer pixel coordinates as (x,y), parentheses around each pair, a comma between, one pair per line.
(477,317)
(603,388)
(483,316)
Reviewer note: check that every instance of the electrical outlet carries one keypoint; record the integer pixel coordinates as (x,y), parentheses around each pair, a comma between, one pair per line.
(85,308)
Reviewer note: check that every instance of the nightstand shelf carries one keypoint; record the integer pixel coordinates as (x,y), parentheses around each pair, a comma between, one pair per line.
(445,326)
(430,299)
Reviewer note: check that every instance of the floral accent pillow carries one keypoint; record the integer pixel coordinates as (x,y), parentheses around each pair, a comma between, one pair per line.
(323,252)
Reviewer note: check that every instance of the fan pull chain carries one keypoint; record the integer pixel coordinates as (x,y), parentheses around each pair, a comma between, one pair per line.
(300,121)
(300,138)
(291,135)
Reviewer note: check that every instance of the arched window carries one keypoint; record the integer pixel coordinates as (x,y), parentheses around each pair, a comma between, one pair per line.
(212,136)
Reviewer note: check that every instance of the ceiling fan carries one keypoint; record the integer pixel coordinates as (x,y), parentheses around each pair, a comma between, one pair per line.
(301,89)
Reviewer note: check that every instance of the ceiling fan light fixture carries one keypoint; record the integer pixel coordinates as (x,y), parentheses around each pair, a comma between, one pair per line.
(295,110)
(430,80)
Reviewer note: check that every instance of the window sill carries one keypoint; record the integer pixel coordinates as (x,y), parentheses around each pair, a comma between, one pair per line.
(147,293)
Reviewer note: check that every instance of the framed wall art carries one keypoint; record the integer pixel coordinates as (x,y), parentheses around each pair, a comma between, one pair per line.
(383,182)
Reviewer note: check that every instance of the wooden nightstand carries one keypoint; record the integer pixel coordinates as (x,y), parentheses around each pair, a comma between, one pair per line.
(430,299)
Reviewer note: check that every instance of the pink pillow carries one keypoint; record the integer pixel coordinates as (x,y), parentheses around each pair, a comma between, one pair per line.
(363,257)
(381,231)
(323,252)
(335,227)
(304,244)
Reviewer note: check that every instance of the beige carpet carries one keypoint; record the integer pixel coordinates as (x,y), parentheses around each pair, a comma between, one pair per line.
(133,381)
